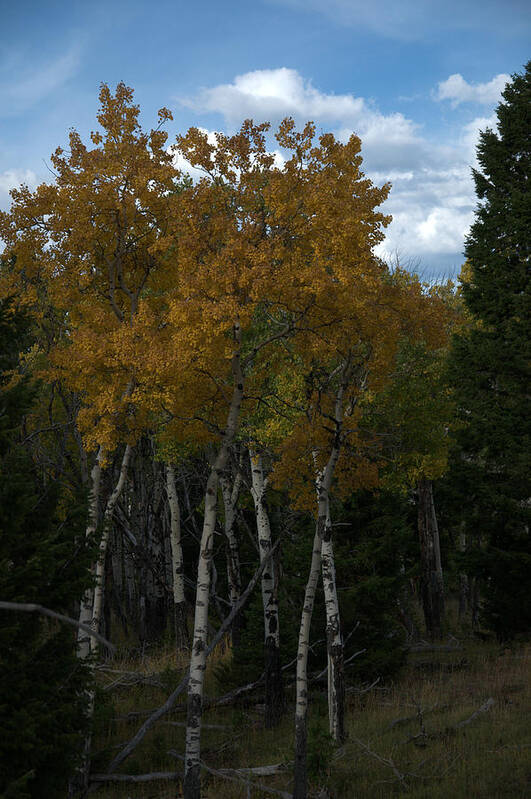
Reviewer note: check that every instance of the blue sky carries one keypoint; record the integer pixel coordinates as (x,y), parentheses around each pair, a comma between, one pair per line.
(414,79)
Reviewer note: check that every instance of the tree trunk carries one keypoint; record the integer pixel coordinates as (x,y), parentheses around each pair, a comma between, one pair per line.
(230,498)
(182,640)
(463,581)
(334,640)
(85,612)
(192,784)
(107,521)
(323,483)
(431,576)
(300,772)
(274,691)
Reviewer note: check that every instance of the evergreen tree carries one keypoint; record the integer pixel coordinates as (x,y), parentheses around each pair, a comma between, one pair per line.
(490,365)
(43,559)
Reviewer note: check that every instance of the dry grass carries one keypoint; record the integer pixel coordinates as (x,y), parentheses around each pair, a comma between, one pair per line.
(424,755)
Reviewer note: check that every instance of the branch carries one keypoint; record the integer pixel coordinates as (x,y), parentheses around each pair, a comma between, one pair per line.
(483,709)
(227,774)
(156,775)
(170,701)
(31,607)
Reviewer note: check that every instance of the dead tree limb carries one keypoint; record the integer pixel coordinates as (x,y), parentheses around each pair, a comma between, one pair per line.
(170,701)
(156,775)
(31,607)
(233,776)
(386,761)
(483,709)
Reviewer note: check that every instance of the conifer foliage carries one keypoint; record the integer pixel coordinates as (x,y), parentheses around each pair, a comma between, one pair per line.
(42,703)
(490,365)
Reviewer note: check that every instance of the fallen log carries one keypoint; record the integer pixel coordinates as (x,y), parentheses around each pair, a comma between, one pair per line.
(155,775)
(237,775)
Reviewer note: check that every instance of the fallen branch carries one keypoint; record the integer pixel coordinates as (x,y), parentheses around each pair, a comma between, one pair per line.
(360,691)
(258,771)
(170,701)
(424,646)
(31,607)
(232,776)
(407,719)
(386,761)
(483,709)
(156,775)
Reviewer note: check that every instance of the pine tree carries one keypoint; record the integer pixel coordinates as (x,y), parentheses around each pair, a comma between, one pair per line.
(490,365)
(42,560)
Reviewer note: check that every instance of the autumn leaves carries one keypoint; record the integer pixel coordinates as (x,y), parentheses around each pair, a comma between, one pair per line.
(246,306)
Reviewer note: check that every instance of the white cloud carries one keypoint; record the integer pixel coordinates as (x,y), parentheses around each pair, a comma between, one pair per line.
(457,90)
(13,178)
(272,94)
(432,199)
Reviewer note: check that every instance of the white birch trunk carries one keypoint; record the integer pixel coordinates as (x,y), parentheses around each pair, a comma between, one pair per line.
(334,640)
(273,674)
(100,565)
(179,602)
(230,499)
(85,611)
(192,786)
(324,483)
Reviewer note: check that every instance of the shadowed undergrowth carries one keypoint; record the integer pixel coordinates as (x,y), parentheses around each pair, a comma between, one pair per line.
(405,738)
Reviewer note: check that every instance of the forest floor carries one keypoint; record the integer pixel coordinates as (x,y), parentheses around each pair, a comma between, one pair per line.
(419,736)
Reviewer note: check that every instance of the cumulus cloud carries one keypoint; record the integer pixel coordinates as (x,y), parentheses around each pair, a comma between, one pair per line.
(13,178)
(432,198)
(458,90)
(272,94)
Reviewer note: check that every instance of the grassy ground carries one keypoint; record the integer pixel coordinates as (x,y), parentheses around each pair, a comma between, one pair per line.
(403,738)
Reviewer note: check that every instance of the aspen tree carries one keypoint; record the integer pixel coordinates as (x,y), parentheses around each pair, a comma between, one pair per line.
(274,695)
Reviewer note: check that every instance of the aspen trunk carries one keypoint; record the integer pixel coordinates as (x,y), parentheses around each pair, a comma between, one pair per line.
(431,576)
(230,498)
(300,772)
(192,784)
(274,691)
(79,782)
(324,481)
(334,640)
(182,640)
(85,612)
(100,565)
(463,581)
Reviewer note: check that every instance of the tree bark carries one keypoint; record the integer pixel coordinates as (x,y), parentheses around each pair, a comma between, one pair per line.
(107,521)
(182,640)
(431,576)
(324,482)
(463,581)
(274,691)
(334,640)
(192,766)
(230,498)
(85,612)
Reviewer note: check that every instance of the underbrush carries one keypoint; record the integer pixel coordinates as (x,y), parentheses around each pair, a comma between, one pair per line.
(453,724)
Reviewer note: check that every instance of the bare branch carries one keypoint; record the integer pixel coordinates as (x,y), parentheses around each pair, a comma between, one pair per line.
(170,701)
(31,607)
